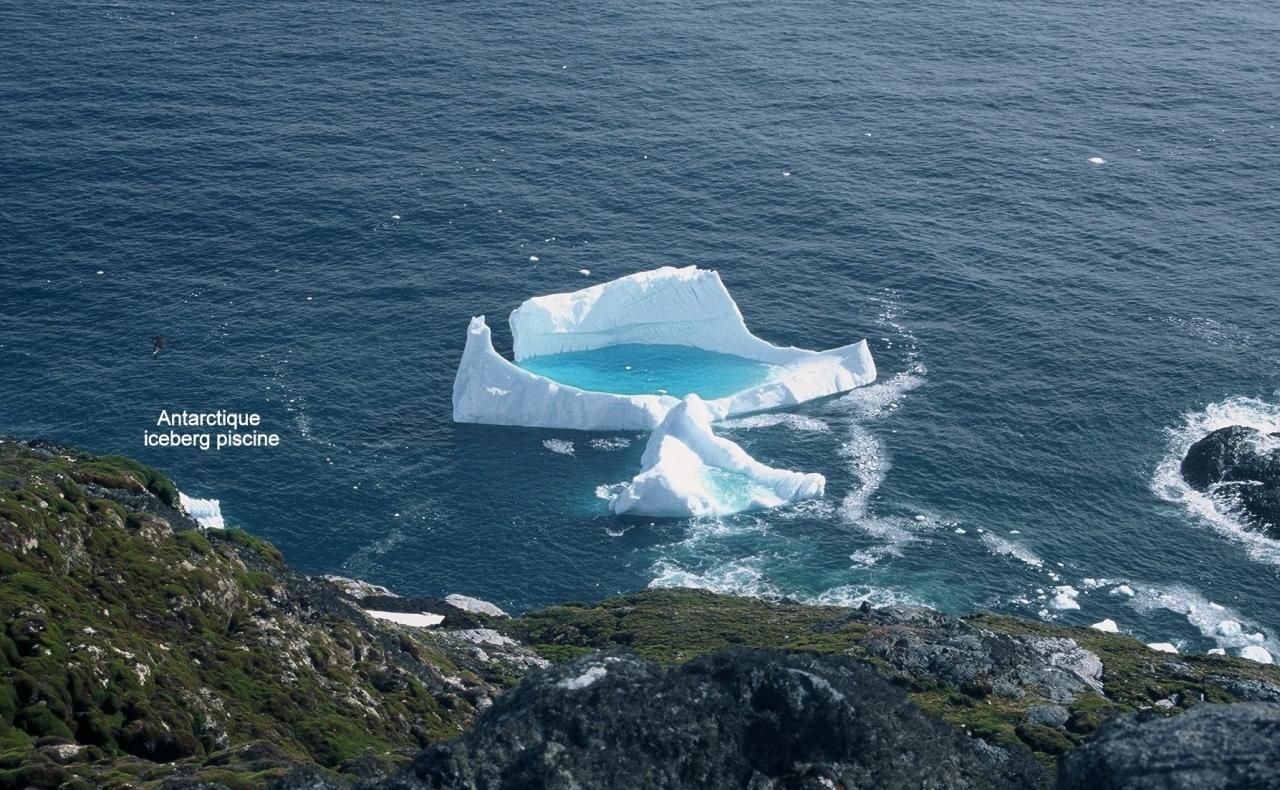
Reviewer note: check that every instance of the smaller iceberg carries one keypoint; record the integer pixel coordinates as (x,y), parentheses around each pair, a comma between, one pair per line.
(206,512)
(687,470)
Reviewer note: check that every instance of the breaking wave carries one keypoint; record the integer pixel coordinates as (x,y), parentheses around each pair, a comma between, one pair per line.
(1167,482)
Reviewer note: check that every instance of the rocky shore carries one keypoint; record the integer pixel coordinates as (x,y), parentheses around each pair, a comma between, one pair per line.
(140,650)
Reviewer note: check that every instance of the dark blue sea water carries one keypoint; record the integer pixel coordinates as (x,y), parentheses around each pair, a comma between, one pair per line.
(310,199)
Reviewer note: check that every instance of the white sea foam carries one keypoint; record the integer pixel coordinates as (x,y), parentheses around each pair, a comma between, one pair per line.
(1222,624)
(612,443)
(609,491)
(855,594)
(1167,482)
(869,463)
(1210,330)
(796,422)
(742,577)
(863,452)
(998,545)
(747,578)
(559,446)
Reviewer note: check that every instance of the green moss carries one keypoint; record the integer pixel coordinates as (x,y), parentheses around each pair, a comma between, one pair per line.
(126,635)
(677,625)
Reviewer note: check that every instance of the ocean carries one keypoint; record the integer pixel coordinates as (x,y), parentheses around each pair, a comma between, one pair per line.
(1056,224)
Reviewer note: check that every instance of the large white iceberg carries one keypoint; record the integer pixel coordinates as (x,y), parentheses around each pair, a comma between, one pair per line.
(667,306)
(687,470)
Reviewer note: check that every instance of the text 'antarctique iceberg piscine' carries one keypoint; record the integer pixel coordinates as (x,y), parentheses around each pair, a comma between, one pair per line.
(627,345)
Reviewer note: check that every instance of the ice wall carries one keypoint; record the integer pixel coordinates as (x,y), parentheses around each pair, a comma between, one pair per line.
(206,512)
(688,306)
(489,389)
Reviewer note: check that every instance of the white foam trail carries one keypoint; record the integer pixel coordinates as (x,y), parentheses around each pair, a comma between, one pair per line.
(853,595)
(609,491)
(998,545)
(1167,482)
(612,443)
(869,463)
(1222,624)
(559,446)
(1213,332)
(746,578)
(743,577)
(796,422)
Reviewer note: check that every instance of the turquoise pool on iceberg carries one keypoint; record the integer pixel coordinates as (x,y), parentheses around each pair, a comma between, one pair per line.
(620,356)
(645,369)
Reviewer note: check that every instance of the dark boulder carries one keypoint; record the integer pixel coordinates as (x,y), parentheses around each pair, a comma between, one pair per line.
(1210,747)
(735,719)
(1231,465)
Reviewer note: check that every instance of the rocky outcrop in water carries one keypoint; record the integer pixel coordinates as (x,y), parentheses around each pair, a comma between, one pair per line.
(1211,747)
(1240,468)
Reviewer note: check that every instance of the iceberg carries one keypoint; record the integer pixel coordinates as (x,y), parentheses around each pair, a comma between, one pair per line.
(687,307)
(206,512)
(687,470)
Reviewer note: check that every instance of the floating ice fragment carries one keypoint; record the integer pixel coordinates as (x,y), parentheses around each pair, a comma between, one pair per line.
(533,258)
(1065,598)
(395,216)
(1229,628)
(1124,590)
(1256,653)
(584,272)
(1217,651)
(1097,160)
(100,272)
(206,512)
(1106,626)
(1163,647)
